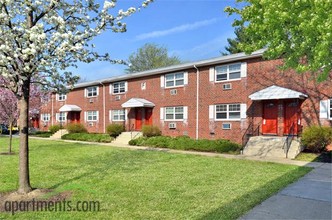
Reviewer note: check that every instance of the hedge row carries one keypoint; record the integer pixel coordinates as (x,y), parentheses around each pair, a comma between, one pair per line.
(91,137)
(42,134)
(186,143)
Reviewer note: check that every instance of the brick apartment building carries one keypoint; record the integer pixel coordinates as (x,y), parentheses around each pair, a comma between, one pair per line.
(216,98)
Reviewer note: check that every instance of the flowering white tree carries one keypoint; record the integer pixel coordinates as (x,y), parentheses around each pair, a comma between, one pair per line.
(40,39)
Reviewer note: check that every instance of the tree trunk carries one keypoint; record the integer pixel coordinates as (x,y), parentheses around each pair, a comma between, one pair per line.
(24,178)
(10,136)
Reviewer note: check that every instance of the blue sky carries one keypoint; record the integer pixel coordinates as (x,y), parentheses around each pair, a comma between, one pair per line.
(190,29)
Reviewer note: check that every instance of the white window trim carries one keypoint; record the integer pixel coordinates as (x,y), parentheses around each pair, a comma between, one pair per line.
(58,97)
(324,109)
(185,75)
(226,119)
(87,116)
(243,72)
(87,93)
(112,114)
(183,113)
(45,114)
(125,87)
(57,117)
(143,85)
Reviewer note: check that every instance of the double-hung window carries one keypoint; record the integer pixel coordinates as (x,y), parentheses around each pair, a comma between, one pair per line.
(174,113)
(62,116)
(62,97)
(174,80)
(119,87)
(228,111)
(92,91)
(45,117)
(92,116)
(118,115)
(228,72)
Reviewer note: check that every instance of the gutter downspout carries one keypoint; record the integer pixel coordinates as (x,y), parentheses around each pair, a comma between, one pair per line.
(197,101)
(104,107)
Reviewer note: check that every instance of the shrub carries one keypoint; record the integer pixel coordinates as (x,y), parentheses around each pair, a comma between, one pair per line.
(91,137)
(42,134)
(54,128)
(150,131)
(115,130)
(316,138)
(76,128)
(133,142)
(186,143)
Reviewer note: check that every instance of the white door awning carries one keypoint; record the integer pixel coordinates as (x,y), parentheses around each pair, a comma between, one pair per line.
(137,102)
(276,92)
(70,108)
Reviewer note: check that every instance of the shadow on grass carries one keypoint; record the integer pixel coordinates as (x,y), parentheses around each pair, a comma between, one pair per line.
(248,201)
(8,154)
(323,157)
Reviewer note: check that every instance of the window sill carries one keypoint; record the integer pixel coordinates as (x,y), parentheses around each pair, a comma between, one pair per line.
(230,80)
(120,93)
(225,120)
(173,87)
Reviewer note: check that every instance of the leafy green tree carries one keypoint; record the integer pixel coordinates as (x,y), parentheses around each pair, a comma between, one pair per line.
(233,43)
(150,56)
(300,32)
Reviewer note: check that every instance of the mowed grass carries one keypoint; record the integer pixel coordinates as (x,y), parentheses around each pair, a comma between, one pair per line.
(143,184)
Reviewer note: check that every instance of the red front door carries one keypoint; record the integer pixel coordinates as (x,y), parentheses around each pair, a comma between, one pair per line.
(138,117)
(148,116)
(292,116)
(270,117)
(73,117)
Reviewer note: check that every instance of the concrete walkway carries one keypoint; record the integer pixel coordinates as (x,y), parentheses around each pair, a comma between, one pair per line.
(308,198)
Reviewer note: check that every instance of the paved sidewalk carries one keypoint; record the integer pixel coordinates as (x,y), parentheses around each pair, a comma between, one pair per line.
(308,198)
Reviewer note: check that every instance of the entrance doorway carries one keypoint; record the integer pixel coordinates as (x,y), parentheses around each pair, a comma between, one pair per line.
(138,118)
(292,116)
(73,117)
(148,116)
(270,117)
(143,116)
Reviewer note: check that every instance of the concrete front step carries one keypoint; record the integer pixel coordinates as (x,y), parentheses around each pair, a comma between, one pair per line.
(58,134)
(125,137)
(271,146)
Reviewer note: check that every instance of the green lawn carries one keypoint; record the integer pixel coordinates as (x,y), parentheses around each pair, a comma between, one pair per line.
(143,184)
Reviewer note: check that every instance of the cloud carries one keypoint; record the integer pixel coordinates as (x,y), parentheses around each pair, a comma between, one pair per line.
(177,29)
(204,50)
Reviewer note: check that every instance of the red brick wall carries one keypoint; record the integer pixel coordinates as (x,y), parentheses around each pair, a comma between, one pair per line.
(260,74)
